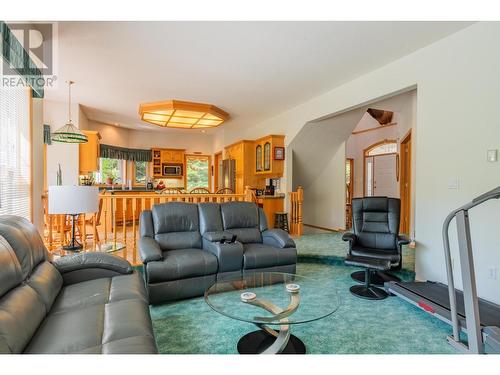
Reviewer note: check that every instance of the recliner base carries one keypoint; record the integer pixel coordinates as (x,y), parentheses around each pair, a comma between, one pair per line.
(371,292)
(378,278)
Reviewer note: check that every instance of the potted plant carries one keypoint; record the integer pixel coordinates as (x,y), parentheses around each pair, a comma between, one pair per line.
(109,179)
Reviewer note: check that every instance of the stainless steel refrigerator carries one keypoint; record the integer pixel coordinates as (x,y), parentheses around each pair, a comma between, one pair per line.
(229,174)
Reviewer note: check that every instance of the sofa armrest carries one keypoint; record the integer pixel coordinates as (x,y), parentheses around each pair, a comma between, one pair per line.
(351,237)
(229,255)
(92,260)
(149,250)
(403,240)
(89,266)
(277,238)
(217,236)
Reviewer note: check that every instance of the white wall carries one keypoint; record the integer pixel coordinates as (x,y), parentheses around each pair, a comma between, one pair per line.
(55,114)
(457,121)
(319,167)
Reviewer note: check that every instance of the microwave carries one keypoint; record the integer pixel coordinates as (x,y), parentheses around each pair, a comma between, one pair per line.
(172,170)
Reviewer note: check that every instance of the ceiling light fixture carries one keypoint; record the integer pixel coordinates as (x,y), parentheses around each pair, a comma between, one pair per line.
(182,115)
(69,133)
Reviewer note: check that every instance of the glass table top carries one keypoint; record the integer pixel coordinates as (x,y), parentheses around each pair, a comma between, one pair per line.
(260,298)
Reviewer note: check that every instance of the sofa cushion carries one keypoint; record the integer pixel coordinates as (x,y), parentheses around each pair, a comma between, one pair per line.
(47,282)
(182,264)
(257,255)
(21,312)
(100,291)
(175,217)
(90,328)
(210,217)
(240,215)
(10,275)
(246,235)
(25,241)
(178,240)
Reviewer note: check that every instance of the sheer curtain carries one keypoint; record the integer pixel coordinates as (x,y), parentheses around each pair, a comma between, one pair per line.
(15,152)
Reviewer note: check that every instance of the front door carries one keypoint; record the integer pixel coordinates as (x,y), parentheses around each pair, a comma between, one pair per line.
(384,176)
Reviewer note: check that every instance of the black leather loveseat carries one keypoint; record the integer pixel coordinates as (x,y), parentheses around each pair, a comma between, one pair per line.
(87,303)
(182,254)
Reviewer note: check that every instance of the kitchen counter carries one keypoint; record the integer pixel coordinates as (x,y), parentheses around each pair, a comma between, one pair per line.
(279,196)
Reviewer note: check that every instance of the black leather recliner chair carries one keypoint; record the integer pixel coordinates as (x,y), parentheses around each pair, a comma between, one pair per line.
(376,237)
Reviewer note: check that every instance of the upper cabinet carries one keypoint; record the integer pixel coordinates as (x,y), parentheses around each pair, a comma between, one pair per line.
(162,156)
(89,152)
(270,160)
(258,158)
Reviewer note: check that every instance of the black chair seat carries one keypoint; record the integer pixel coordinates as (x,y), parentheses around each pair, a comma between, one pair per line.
(366,252)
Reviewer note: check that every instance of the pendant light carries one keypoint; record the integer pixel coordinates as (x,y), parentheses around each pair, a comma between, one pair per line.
(69,133)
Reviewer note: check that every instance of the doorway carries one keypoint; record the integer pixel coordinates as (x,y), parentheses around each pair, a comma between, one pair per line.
(405,183)
(381,169)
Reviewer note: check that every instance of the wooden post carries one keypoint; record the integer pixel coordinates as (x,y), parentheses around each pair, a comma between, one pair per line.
(94,231)
(124,220)
(50,232)
(248,194)
(134,212)
(300,193)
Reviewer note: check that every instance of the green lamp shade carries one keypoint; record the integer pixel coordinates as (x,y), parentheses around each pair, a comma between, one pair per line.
(69,133)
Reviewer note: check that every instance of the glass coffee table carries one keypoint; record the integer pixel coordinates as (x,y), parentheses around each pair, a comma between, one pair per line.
(272,299)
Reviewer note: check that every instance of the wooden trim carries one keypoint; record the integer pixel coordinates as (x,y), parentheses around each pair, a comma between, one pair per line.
(405,161)
(379,143)
(377,128)
(30,116)
(322,228)
(209,157)
(215,166)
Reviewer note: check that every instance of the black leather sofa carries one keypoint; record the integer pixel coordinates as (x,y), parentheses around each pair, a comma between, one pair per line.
(182,254)
(87,303)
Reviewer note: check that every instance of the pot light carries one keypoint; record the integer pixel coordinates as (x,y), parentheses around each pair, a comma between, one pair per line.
(182,115)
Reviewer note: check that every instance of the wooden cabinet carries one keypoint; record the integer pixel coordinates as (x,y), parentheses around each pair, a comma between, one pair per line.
(89,152)
(270,206)
(266,165)
(166,155)
(243,153)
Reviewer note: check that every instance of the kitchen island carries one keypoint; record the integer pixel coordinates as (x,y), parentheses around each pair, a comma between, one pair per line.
(271,204)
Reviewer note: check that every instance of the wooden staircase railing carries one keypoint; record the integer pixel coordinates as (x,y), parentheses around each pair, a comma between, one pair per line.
(296,201)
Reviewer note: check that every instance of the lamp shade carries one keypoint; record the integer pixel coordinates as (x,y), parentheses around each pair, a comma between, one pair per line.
(73,199)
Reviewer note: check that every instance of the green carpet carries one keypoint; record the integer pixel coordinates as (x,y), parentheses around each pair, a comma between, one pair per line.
(329,246)
(390,326)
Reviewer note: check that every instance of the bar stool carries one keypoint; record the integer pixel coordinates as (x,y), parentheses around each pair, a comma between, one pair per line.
(281,220)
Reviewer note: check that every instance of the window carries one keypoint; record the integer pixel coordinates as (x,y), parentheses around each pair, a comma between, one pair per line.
(110,168)
(140,172)
(384,148)
(15,152)
(198,175)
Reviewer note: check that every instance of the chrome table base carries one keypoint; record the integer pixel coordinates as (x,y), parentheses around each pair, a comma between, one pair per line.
(268,340)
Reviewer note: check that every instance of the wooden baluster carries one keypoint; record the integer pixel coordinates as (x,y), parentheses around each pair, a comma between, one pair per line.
(300,193)
(114,211)
(84,239)
(124,220)
(62,225)
(134,249)
(51,239)
(105,207)
(94,231)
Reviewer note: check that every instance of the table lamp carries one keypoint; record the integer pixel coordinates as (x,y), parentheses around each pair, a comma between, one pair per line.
(73,200)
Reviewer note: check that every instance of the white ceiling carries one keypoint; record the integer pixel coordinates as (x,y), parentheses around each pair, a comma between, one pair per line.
(252,70)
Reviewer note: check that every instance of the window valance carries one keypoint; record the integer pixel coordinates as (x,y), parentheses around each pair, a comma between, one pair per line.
(114,152)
